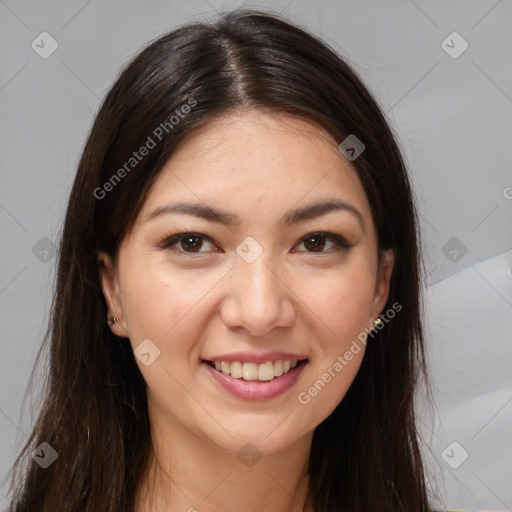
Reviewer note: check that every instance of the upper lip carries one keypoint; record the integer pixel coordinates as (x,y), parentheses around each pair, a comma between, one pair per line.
(251,357)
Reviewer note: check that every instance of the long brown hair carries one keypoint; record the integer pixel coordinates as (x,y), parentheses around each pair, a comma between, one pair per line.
(365,456)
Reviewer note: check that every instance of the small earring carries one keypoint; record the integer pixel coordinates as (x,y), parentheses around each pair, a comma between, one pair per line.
(112,321)
(377,322)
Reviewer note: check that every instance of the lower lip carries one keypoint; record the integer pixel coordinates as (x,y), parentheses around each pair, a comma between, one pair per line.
(254,389)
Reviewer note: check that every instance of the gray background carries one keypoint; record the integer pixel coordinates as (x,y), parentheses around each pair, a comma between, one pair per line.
(453,119)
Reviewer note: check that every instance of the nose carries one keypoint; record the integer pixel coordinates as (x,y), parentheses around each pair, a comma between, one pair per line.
(258,299)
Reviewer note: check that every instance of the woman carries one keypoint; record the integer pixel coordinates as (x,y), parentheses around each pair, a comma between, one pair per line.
(236,324)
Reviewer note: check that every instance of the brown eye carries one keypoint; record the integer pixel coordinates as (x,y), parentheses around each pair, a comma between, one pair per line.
(191,243)
(316,242)
(186,243)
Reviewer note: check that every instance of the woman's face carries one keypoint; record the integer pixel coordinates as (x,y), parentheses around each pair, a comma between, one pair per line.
(253,286)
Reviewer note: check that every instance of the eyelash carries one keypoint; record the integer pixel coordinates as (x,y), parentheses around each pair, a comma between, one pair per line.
(169,242)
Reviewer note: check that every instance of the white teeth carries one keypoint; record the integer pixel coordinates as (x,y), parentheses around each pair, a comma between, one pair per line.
(254,371)
(250,371)
(278,368)
(266,371)
(236,370)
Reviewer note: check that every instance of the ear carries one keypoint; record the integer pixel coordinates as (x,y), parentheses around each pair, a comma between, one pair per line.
(111,292)
(382,284)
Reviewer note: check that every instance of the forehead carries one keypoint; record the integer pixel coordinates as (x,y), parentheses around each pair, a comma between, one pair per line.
(255,162)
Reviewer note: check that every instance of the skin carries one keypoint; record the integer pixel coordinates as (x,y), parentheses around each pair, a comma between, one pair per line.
(201,304)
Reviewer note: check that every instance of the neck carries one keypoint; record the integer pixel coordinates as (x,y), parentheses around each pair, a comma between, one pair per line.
(189,473)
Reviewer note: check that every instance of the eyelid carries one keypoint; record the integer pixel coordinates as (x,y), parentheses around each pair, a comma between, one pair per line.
(170,240)
(340,241)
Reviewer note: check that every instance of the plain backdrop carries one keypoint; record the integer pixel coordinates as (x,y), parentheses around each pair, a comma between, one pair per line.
(441,72)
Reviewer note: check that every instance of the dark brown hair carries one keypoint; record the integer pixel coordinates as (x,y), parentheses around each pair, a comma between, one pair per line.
(365,456)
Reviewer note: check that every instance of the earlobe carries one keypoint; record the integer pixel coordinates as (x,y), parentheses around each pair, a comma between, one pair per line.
(111,293)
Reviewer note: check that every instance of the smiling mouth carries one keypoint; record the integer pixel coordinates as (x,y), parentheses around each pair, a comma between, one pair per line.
(264,372)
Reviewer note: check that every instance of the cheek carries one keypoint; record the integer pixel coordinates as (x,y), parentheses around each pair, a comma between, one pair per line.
(342,307)
(162,303)
(151,303)
(165,305)
(323,392)
(341,303)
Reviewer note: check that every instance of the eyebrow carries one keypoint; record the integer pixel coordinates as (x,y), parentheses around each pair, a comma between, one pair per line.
(295,216)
